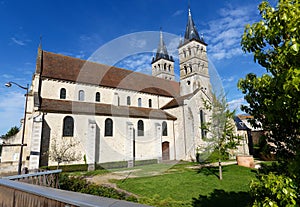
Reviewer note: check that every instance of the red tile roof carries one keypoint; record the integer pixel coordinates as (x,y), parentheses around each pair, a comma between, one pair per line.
(60,67)
(76,107)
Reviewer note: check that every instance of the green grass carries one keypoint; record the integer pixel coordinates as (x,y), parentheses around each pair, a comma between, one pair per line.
(182,186)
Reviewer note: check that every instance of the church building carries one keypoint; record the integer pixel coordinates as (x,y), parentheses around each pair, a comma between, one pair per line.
(116,114)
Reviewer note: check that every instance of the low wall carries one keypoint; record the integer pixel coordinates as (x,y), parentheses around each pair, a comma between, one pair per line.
(15,194)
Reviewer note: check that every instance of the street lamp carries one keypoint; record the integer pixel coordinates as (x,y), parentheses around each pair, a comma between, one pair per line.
(9,84)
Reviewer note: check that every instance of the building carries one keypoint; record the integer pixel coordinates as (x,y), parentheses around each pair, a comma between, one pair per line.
(117,114)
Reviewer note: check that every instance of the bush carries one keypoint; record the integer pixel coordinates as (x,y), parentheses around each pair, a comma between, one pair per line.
(273,191)
(68,168)
(79,184)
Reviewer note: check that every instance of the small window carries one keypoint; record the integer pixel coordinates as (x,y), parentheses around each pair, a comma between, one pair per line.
(165,66)
(164,129)
(189,83)
(128,101)
(190,52)
(97,98)
(185,69)
(150,103)
(169,68)
(191,68)
(139,102)
(184,53)
(68,127)
(140,126)
(108,131)
(62,93)
(81,95)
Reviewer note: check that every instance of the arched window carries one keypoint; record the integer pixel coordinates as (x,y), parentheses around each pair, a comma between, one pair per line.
(128,101)
(190,52)
(150,103)
(202,124)
(139,102)
(108,132)
(185,70)
(62,93)
(81,95)
(184,54)
(97,98)
(68,127)
(191,68)
(169,68)
(140,126)
(164,129)
(165,66)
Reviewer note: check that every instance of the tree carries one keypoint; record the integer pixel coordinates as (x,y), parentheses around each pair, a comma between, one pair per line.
(221,126)
(64,150)
(13,131)
(274,98)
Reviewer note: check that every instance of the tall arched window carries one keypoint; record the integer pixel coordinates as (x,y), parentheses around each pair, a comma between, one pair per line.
(202,124)
(108,132)
(140,126)
(190,52)
(81,95)
(150,103)
(62,93)
(164,129)
(68,127)
(97,98)
(191,68)
(165,66)
(185,70)
(139,102)
(128,101)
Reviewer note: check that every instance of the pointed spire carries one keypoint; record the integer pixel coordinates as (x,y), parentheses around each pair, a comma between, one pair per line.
(191,30)
(161,49)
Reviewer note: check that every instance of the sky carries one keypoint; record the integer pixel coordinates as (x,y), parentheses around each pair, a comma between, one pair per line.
(82,28)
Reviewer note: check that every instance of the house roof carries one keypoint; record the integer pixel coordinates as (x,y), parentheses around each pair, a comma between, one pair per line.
(240,124)
(76,107)
(60,67)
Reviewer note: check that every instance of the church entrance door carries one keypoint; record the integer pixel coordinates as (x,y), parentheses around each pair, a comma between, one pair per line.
(165,151)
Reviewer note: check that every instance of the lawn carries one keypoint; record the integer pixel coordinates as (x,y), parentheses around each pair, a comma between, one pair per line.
(184,186)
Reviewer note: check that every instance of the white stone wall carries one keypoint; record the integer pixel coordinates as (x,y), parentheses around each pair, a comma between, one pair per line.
(51,90)
(113,148)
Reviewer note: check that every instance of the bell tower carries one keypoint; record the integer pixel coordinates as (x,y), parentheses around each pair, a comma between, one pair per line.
(162,63)
(193,60)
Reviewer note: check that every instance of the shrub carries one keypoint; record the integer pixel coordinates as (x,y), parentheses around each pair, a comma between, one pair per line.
(273,191)
(79,184)
(68,168)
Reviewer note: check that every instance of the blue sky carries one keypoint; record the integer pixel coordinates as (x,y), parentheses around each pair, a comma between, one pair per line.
(79,28)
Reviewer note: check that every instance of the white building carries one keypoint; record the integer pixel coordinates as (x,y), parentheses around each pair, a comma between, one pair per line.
(117,114)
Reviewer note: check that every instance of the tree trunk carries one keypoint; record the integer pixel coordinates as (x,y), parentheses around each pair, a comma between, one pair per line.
(220,170)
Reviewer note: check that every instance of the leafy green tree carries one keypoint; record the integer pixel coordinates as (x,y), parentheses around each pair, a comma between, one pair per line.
(274,98)
(221,127)
(11,132)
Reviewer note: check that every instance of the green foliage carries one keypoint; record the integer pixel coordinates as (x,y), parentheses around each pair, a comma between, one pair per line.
(79,184)
(13,131)
(157,201)
(274,98)
(221,127)
(274,191)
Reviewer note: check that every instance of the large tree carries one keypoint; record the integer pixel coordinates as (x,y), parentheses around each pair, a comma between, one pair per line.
(274,98)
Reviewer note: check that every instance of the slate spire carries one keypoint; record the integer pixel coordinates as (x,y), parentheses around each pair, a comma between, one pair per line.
(191,30)
(162,52)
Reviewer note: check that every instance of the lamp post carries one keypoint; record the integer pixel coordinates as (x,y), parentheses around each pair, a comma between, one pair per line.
(9,84)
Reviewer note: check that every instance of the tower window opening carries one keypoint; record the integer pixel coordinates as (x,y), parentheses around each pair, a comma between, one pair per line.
(165,66)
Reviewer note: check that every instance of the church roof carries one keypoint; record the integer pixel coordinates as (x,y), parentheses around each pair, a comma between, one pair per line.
(191,32)
(77,107)
(179,101)
(162,52)
(60,67)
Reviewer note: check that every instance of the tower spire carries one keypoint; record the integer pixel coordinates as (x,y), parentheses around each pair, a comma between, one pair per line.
(191,30)
(162,52)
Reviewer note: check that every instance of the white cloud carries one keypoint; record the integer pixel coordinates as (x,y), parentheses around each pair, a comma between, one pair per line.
(11,110)
(177,13)
(236,103)
(224,33)
(138,63)
(18,41)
